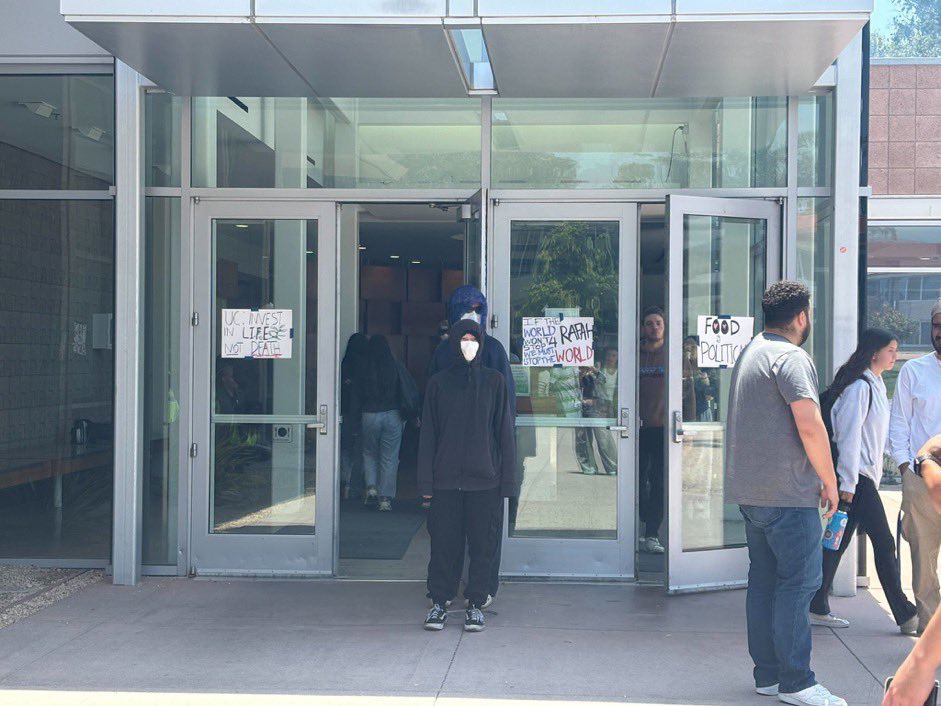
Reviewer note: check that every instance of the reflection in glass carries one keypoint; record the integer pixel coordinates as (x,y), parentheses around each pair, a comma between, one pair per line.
(724,273)
(815,269)
(264,473)
(901,303)
(56,379)
(639,144)
(815,127)
(264,479)
(566,268)
(907,245)
(161,373)
(56,132)
(162,150)
(340,143)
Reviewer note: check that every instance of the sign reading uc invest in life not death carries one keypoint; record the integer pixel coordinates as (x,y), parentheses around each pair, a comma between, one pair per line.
(256,333)
(550,341)
(722,338)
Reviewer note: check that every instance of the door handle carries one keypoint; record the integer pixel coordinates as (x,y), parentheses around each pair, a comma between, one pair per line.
(321,423)
(679,434)
(623,427)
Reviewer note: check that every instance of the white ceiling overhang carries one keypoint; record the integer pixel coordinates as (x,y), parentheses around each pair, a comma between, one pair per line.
(537,48)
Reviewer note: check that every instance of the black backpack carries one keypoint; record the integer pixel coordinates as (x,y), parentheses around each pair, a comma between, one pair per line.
(828,423)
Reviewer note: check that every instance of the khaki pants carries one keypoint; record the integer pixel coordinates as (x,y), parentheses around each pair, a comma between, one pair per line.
(921,526)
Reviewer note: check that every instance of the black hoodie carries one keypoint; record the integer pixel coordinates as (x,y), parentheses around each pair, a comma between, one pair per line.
(467,435)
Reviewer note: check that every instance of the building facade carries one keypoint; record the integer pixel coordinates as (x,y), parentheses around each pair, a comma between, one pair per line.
(203,201)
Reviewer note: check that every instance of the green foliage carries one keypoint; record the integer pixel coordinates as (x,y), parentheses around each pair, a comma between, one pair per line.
(916,31)
(894,321)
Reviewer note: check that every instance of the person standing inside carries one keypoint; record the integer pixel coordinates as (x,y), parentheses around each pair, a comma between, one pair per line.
(916,417)
(466,466)
(389,396)
(858,409)
(778,469)
(652,412)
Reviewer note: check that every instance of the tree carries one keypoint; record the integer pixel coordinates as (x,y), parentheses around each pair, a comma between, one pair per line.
(895,322)
(916,31)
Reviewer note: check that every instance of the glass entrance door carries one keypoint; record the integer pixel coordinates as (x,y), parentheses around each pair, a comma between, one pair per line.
(265,356)
(722,254)
(564,293)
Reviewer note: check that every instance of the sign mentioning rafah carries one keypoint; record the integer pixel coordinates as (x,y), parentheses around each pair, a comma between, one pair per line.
(549,341)
(256,333)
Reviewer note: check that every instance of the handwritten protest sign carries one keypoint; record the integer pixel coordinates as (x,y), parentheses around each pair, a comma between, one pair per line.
(256,333)
(722,338)
(549,341)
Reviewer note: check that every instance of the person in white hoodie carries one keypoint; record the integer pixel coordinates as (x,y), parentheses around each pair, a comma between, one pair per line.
(858,411)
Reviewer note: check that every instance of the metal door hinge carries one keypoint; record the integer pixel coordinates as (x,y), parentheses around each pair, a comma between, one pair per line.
(194,319)
(195,199)
(494,322)
(194,450)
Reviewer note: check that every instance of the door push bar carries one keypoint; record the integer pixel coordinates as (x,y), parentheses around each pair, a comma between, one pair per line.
(321,423)
(624,425)
(679,434)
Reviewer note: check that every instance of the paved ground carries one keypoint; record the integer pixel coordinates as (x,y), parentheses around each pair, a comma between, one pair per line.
(184,641)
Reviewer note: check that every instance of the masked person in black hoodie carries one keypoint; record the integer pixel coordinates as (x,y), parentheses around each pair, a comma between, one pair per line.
(466,466)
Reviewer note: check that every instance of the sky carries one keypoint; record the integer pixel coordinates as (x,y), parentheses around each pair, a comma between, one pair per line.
(882,15)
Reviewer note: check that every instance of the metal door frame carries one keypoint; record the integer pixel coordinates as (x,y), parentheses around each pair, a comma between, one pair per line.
(713,569)
(264,555)
(574,557)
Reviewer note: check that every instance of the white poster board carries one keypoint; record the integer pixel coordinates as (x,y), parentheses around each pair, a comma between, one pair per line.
(257,333)
(566,342)
(722,338)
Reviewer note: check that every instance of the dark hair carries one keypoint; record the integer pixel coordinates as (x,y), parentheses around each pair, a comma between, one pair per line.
(652,310)
(382,375)
(783,301)
(354,359)
(871,341)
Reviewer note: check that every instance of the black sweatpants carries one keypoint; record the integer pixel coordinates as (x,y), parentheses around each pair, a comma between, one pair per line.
(867,513)
(458,518)
(651,479)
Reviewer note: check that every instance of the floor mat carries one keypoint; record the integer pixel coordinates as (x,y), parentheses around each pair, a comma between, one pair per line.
(366,533)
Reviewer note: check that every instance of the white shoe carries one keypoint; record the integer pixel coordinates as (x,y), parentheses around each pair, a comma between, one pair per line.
(828,621)
(767,690)
(487,603)
(651,545)
(816,695)
(910,626)
(385,505)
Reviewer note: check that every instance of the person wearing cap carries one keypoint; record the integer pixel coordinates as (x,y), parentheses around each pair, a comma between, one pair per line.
(916,417)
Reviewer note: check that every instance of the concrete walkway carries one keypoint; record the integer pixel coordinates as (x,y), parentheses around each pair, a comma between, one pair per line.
(200,642)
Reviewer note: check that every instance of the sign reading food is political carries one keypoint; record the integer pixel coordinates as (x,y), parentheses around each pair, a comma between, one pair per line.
(722,338)
(256,333)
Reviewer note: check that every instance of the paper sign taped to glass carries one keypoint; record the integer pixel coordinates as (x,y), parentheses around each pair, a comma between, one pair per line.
(257,333)
(721,339)
(553,341)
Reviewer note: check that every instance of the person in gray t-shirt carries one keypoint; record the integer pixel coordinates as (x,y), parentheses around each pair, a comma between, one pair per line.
(778,469)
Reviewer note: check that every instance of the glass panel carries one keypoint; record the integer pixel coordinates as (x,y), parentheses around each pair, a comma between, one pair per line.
(815,127)
(340,143)
(56,132)
(264,479)
(161,366)
(474,60)
(905,245)
(815,269)
(265,364)
(162,151)
(56,379)
(723,273)
(639,144)
(567,269)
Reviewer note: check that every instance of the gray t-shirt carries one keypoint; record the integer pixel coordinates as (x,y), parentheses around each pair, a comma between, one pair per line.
(765,461)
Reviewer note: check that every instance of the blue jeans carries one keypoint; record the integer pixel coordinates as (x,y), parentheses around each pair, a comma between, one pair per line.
(382,438)
(784,547)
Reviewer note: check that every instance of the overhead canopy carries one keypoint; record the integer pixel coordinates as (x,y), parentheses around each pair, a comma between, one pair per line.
(535,48)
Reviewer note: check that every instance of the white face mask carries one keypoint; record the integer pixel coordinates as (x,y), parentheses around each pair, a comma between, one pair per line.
(473,316)
(469,350)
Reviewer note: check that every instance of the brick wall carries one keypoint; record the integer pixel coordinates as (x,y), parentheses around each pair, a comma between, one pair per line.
(905,129)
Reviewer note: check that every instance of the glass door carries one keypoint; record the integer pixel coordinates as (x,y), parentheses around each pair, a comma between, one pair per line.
(722,255)
(564,294)
(265,334)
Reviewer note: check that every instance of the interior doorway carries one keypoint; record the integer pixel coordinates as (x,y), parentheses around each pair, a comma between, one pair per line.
(400,263)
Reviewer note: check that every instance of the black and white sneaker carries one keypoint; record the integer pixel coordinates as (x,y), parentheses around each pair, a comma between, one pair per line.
(473,620)
(437,617)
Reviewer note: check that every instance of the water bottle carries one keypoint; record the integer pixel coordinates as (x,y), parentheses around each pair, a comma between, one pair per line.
(833,533)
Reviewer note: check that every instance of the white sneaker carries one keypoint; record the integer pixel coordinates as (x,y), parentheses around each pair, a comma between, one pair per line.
(487,603)
(828,621)
(767,690)
(910,626)
(385,505)
(816,695)
(651,545)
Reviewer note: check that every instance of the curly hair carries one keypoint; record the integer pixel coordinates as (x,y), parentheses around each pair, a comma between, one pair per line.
(783,301)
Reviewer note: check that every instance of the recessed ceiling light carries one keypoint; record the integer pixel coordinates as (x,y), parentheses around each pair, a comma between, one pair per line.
(362,247)
(926,259)
(310,252)
(241,225)
(416,262)
(40,108)
(395,257)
